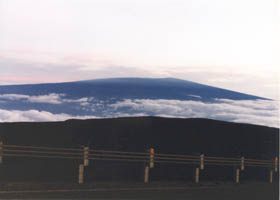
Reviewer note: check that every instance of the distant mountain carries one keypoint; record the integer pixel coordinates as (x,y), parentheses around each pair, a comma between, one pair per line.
(130,88)
(117,97)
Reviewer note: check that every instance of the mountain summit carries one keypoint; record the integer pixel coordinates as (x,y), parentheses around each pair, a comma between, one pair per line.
(122,88)
(118,97)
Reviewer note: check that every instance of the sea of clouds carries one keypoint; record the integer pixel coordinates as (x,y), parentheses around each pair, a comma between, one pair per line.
(261,112)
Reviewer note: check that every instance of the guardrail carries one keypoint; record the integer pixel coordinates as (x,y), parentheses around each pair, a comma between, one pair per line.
(150,158)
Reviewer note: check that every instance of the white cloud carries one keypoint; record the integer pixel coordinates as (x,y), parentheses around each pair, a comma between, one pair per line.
(35,115)
(82,101)
(195,96)
(260,112)
(51,98)
(13,96)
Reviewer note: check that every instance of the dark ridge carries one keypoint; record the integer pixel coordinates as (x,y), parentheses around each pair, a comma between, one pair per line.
(137,134)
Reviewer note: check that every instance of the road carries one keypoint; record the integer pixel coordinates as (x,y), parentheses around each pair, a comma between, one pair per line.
(226,191)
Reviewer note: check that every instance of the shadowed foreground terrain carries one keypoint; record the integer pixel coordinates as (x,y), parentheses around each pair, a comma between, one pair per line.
(166,135)
(176,136)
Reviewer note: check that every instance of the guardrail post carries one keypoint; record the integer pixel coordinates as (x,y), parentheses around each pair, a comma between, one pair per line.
(276,164)
(1,151)
(202,161)
(271,176)
(150,165)
(86,153)
(196,175)
(152,157)
(237,175)
(242,163)
(81,174)
(146,175)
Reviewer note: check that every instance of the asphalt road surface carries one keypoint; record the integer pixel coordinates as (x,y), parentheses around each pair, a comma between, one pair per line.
(224,191)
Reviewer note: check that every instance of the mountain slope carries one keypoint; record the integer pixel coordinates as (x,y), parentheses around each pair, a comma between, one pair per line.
(121,88)
(121,97)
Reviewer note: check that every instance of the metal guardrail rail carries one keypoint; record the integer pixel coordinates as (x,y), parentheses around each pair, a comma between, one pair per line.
(151,158)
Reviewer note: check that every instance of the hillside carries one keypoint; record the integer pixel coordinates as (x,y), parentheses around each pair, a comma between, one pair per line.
(166,135)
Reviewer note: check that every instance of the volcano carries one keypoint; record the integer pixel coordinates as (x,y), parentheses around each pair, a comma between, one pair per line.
(123,97)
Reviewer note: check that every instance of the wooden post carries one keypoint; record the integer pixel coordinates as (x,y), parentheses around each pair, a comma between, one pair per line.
(81,174)
(276,164)
(152,157)
(86,152)
(1,151)
(196,175)
(237,176)
(146,175)
(202,161)
(242,163)
(271,176)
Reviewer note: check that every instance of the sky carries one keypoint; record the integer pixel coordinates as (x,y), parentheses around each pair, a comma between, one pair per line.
(228,44)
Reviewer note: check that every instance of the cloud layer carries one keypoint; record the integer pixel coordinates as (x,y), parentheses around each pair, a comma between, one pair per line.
(51,98)
(35,116)
(261,112)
